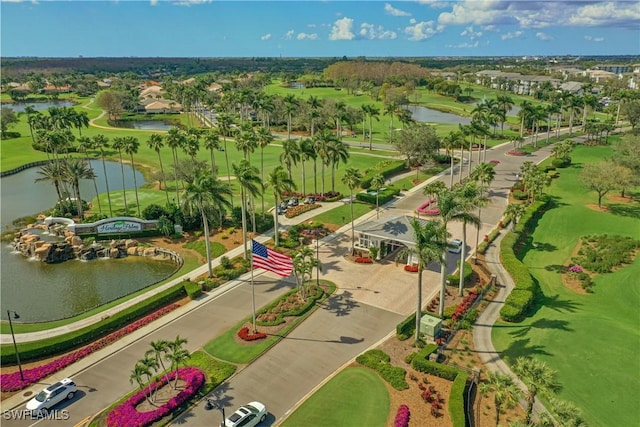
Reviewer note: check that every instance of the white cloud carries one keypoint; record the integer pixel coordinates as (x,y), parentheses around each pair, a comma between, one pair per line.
(624,14)
(594,39)
(412,21)
(305,36)
(464,45)
(371,32)
(266,37)
(342,30)
(470,33)
(390,10)
(491,28)
(543,36)
(423,30)
(512,35)
(289,35)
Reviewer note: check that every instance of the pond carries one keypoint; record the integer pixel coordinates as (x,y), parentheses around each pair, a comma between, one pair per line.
(19,107)
(143,124)
(423,114)
(296,86)
(43,292)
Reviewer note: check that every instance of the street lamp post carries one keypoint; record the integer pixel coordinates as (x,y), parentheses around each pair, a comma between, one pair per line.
(318,260)
(13,337)
(210,405)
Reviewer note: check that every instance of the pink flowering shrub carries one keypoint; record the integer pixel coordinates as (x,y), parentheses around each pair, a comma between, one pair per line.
(12,381)
(402,416)
(575,269)
(246,336)
(127,414)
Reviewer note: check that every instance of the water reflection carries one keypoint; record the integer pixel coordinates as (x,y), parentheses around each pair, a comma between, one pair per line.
(19,107)
(423,114)
(143,124)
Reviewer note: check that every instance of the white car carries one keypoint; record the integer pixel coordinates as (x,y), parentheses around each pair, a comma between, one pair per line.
(455,246)
(52,395)
(248,415)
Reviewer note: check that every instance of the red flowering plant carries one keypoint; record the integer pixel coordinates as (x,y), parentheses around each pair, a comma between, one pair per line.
(402,416)
(12,381)
(363,260)
(127,414)
(246,336)
(411,268)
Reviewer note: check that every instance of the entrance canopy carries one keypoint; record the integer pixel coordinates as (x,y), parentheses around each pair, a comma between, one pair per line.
(396,229)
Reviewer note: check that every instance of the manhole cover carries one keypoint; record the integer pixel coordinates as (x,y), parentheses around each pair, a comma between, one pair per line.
(27,393)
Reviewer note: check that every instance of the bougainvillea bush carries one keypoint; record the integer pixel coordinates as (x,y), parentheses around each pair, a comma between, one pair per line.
(246,336)
(12,382)
(402,416)
(127,414)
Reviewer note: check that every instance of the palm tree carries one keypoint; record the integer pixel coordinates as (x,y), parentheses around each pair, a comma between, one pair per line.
(264,139)
(175,139)
(131,147)
(136,377)
(314,104)
(572,104)
(290,154)
(506,392)
(431,243)
(246,141)
(54,173)
(207,195)
(250,185)
(377,182)
(469,199)
(538,377)
(351,179)
(156,142)
(450,142)
(84,145)
(224,124)
(304,262)
(178,355)
(290,105)
(373,113)
(212,143)
(526,110)
(119,143)
(279,182)
(158,349)
(149,366)
(337,152)
(102,142)
(484,174)
(74,170)
(323,139)
(514,211)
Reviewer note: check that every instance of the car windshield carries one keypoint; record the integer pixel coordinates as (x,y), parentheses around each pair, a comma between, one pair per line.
(42,396)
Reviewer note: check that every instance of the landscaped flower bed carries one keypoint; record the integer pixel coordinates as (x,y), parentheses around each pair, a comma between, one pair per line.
(516,153)
(363,260)
(411,268)
(127,414)
(246,336)
(299,210)
(12,381)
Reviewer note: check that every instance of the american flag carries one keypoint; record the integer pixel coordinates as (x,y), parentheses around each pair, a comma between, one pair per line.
(270,260)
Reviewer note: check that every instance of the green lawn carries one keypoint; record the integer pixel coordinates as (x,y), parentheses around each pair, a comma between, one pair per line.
(355,397)
(592,340)
(341,215)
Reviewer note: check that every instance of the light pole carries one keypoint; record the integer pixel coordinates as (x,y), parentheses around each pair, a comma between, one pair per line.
(318,260)
(13,337)
(210,405)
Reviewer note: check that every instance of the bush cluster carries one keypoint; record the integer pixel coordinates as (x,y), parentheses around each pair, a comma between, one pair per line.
(192,289)
(387,168)
(402,417)
(385,196)
(378,360)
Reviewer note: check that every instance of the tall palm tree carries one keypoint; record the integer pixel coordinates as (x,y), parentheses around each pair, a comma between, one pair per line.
(84,145)
(470,198)
(484,174)
(158,349)
(149,366)
(337,152)
(338,116)
(264,139)
(450,142)
(314,105)
(506,392)
(306,153)
(377,182)
(54,173)
(351,179)
(250,185)
(224,124)
(119,143)
(175,139)
(178,355)
(290,154)
(526,110)
(374,113)
(290,105)
(280,183)
(321,146)
(102,142)
(207,195)
(538,377)
(431,243)
(247,141)
(212,143)
(131,147)
(156,142)
(505,102)
(74,170)
(136,377)
(191,142)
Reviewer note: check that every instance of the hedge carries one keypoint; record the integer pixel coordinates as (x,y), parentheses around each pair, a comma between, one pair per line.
(63,343)
(378,360)
(386,168)
(384,196)
(407,327)
(454,279)
(192,289)
(456,400)
(298,311)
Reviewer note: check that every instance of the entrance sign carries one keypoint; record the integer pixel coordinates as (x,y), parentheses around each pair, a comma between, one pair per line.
(119,227)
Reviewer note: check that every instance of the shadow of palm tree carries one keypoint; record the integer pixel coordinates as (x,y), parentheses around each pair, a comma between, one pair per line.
(548,324)
(560,305)
(341,304)
(558,268)
(218,399)
(522,347)
(395,228)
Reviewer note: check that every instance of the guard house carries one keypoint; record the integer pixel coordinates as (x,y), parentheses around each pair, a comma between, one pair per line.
(387,234)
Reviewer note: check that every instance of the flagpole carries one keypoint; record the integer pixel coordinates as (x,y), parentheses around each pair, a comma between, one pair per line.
(253,294)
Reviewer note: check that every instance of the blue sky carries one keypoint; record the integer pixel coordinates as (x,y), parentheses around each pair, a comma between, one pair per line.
(205,28)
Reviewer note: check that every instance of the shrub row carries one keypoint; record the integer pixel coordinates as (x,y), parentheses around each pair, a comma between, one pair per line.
(456,400)
(385,196)
(387,168)
(454,279)
(64,343)
(378,360)
(192,289)
(484,245)
(521,299)
(314,294)
(407,327)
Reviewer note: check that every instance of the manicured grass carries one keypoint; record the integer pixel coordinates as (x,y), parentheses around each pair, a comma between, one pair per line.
(225,347)
(592,340)
(341,215)
(355,397)
(217,249)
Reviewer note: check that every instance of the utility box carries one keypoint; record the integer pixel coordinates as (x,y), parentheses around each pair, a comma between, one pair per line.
(430,325)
